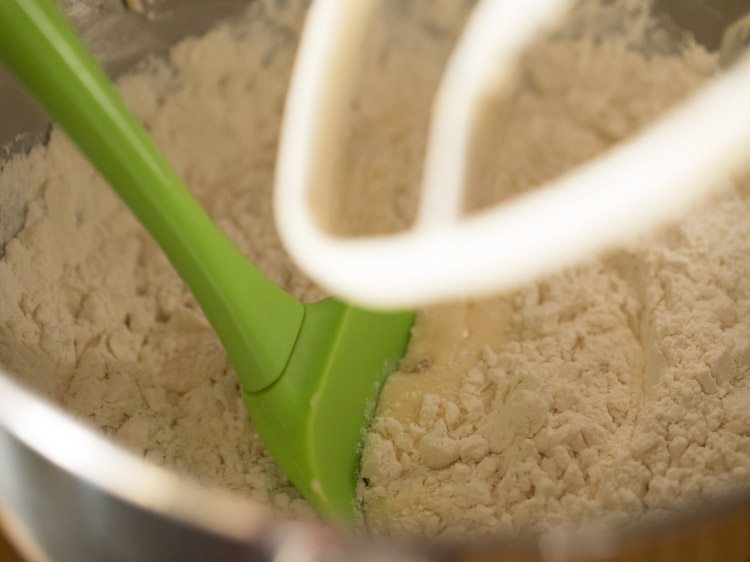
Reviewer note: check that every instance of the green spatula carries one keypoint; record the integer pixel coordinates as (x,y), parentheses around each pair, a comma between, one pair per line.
(310,373)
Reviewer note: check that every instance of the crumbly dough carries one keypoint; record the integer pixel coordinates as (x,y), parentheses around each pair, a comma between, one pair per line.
(609,391)
(615,389)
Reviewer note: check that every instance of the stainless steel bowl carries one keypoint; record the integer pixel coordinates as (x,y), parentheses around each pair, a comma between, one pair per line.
(68,494)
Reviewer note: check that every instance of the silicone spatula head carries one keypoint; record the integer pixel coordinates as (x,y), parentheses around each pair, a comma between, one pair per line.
(313,418)
(310,373)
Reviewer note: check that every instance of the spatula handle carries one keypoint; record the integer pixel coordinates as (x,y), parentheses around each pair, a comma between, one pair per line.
(257,322)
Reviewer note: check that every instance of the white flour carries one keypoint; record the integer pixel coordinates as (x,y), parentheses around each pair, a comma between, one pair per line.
(92,313)
(620,387)
(617,388)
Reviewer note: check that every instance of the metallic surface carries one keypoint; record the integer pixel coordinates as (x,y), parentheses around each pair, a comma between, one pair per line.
(68,494)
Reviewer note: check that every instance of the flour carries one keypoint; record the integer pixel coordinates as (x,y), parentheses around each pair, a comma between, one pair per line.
(92,313)
(620,389)
(612,390)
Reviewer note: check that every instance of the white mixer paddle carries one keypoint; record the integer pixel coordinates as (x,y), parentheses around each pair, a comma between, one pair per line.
(632,187)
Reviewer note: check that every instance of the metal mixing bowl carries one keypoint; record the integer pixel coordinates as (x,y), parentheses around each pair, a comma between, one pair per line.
(68,494)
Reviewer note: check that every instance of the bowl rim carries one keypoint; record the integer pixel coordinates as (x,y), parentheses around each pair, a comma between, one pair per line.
(71,445)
